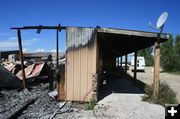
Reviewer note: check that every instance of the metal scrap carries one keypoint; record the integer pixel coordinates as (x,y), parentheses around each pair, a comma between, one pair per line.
(32,71)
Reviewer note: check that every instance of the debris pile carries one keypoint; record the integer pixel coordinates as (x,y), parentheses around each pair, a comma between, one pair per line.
(43,107)
(31,71)
(39,104)
(11,75)
(12,101)
(6,77)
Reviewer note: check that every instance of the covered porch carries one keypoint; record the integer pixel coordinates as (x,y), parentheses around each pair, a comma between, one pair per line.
(116,43)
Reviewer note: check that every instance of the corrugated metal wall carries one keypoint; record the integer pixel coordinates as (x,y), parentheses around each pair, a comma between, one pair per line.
(81,63)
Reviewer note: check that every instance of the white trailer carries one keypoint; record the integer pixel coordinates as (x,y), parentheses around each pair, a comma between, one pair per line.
(140,63)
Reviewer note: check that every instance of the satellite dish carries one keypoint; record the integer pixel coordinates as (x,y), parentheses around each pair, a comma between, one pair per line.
(162,19)
(160,23)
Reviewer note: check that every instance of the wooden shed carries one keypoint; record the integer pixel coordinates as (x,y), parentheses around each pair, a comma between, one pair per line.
(91,49)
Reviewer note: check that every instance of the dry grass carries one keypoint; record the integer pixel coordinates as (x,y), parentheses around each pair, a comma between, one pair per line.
(166,95)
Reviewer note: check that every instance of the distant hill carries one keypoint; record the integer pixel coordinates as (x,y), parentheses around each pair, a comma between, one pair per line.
(44,54)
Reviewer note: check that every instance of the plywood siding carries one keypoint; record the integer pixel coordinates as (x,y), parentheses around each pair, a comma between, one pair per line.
(81,63)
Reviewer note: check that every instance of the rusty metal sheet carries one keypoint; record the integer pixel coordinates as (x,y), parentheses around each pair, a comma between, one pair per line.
(13,68)
(28,71)
(10,67)
(36,71)
(31,71)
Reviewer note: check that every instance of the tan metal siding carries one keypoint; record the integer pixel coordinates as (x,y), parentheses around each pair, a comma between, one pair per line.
(69,76)
(84,70)
(81,64)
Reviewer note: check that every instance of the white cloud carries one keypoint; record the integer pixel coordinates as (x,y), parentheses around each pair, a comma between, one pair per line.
(13,38)
(40,50)
(53,50)
(12,43)
(8,44)
(30,41)
(25,50)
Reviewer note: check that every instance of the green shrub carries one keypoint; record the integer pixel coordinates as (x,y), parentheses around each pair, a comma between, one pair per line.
(166,95)
(91,105)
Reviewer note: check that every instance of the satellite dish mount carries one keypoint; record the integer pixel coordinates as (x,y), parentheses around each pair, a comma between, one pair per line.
(160,22)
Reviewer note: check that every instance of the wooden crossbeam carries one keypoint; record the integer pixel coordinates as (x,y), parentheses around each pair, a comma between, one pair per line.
(39,27)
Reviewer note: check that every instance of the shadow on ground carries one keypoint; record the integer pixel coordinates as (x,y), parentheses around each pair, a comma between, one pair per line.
(121,84)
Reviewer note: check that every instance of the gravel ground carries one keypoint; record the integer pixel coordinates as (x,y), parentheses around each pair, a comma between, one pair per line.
(172,80)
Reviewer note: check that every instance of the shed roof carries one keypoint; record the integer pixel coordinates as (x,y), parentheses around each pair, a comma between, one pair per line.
(117,42)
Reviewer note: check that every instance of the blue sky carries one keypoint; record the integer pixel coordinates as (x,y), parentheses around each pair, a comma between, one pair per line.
(125,14)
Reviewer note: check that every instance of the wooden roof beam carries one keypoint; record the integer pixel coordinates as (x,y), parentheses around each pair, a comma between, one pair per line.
(39,27)
(134,33)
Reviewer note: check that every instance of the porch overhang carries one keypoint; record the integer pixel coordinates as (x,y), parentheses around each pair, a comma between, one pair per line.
(118,42)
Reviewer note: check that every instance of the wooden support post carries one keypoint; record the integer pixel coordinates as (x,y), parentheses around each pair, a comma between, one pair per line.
(121,61)
(21,57)
(156,69)
(135,65)
(51,84)
(57,48)
(126,63)
(118,61)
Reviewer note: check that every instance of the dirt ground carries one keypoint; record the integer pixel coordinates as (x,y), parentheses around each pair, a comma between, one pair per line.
(118,106)
(172,80)
(122,100)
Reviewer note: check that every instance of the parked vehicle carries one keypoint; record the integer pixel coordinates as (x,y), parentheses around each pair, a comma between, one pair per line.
(140,66)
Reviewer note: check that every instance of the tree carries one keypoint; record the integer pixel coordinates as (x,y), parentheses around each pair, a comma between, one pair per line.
(177,52)
(168,55)
(147,54)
